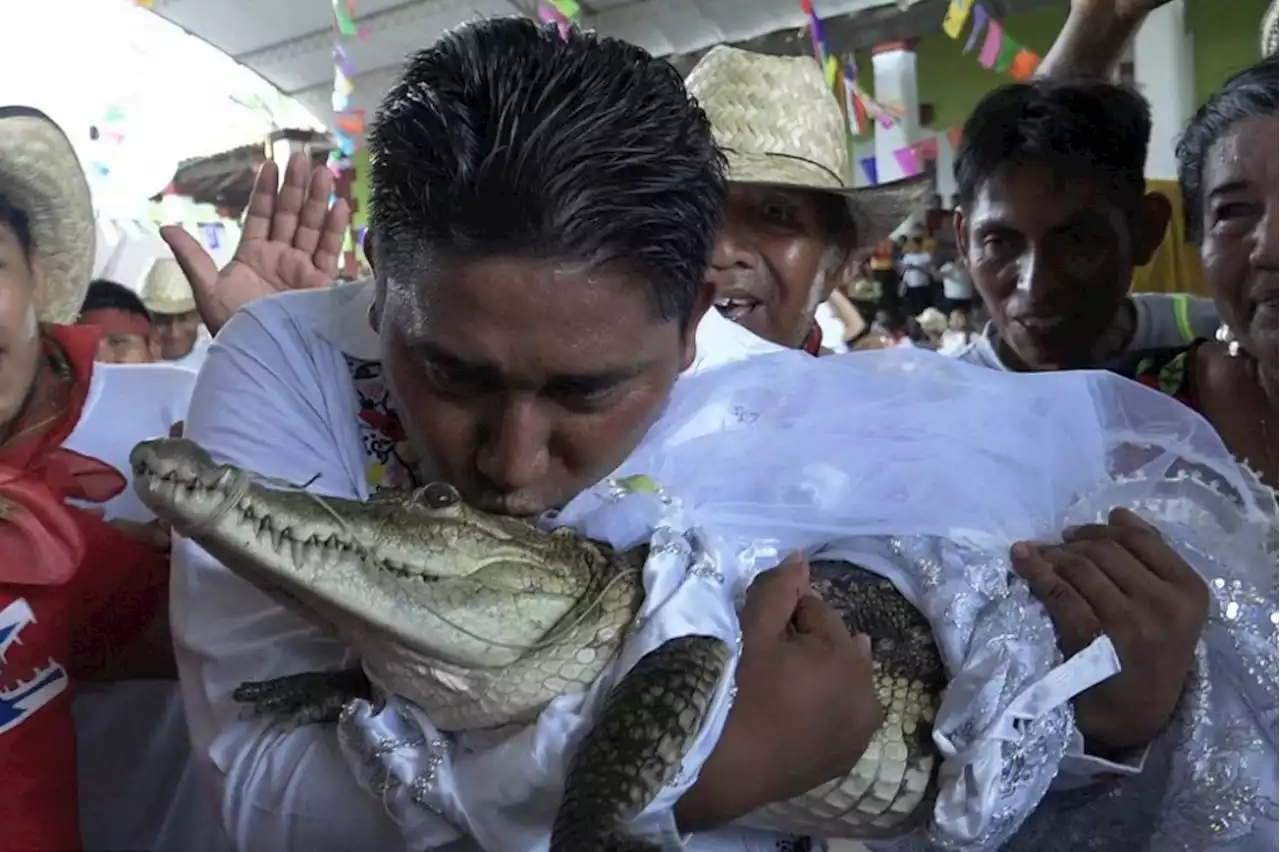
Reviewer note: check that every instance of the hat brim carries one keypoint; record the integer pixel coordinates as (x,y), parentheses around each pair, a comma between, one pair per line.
(877,211)
(170,307)
(40,175)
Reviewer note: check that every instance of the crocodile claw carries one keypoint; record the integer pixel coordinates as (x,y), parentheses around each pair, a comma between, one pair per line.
(310,698)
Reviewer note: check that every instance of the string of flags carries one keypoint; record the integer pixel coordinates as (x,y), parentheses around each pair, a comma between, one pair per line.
(348,121)
(860,108)
(562,13)
(998,51)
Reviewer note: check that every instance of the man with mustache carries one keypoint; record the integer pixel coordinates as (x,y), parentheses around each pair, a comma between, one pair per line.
(793,224)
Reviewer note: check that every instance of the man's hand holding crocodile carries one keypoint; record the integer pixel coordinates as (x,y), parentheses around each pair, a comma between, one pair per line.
(1122,579)
(800,664)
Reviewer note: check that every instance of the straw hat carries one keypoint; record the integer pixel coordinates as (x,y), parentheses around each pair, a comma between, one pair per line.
(166,290)
(1270,33)
(932,320)
(41,176)
(780,125)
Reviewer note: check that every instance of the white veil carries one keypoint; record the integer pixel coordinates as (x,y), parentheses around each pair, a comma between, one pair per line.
(926,470)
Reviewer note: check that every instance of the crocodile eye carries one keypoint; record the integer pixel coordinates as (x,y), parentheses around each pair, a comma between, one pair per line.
(438,495)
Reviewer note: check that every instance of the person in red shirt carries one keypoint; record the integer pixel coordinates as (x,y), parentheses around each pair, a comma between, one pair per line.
(75,591)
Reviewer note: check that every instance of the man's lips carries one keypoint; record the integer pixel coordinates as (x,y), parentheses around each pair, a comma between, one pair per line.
(736,308)
(1040,323)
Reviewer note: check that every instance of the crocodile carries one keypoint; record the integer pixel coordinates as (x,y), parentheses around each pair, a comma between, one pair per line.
(481,620)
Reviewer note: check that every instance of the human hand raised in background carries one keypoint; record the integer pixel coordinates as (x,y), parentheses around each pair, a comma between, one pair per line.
(291,240)
(1094,37)
(1131,10)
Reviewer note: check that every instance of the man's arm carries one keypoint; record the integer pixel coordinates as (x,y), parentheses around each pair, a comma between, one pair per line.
(1095,37)
(280,787)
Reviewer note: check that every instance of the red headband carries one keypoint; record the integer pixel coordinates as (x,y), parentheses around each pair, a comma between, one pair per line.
(116,321)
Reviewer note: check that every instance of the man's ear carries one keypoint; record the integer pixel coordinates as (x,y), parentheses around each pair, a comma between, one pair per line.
(1151,225)
(367,245)
(689,344)
(378,305)
(961,227)
(840,273)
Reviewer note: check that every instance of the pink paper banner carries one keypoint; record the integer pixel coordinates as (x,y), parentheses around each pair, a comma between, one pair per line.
(548,14)
(907,161)
(991,47)
(979,21)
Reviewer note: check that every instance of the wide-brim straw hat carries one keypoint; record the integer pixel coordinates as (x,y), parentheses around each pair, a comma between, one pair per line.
(1270,31)
(41,175)
(779,124)
(166,289)
(932,320)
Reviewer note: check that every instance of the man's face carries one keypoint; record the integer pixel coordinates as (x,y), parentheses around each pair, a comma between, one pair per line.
(175,334)
(1052,261)
(125,348)
(775,260)
(521,382)
(19,325)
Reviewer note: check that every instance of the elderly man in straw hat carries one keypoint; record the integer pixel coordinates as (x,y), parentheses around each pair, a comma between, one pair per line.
(793,224)
(179,335)
(75,589)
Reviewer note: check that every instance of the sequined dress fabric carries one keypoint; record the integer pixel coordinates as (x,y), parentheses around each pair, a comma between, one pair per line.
(1211,782)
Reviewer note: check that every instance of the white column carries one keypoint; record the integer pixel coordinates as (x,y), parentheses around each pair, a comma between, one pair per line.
(894,65)
(1163,70)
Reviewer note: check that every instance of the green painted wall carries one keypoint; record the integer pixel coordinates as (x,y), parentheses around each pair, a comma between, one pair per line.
(953,82)
(1226,39)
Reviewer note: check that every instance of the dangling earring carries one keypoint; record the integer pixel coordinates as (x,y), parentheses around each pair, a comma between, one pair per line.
(1225,335)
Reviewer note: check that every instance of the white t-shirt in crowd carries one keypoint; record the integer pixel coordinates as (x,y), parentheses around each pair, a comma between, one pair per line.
(832,328)
(138,782)
(956,283)
(915,269)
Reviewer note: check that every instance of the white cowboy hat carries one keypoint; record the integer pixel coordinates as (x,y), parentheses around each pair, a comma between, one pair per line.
(40,175)
(1270,30)
(166,289)
(779,124)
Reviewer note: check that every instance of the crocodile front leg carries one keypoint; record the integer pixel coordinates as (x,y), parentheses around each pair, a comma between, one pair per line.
(310,698)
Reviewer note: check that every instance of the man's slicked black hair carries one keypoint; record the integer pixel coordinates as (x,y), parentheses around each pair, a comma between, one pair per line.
(108,295)
(1082,130)
(503,139)
(1247,94)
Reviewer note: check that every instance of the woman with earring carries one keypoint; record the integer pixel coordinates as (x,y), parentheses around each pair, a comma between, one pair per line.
(1228,176)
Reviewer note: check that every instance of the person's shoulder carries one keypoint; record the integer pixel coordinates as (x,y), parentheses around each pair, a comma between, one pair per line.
(300,320)
(294,304)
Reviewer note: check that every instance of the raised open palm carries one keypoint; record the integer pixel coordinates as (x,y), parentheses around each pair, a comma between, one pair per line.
(291,240)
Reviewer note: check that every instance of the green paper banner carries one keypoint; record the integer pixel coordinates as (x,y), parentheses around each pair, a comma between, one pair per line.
(1008,50)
